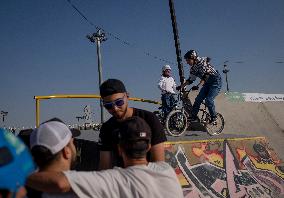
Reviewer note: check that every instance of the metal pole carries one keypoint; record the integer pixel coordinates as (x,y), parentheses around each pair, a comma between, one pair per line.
(227,82)
(177,44)
(37,112)
(100,72)
(225,71)
(98,38)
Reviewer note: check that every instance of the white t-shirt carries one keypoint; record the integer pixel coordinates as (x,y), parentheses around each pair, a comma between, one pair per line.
(167,84)
(155,180)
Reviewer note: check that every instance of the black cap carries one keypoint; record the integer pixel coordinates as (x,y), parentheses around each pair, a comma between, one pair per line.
(134,129)
(111,86)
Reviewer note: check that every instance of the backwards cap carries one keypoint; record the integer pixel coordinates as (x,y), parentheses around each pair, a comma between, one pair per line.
(134,129)
(53,134)
(16,163)
(111,86)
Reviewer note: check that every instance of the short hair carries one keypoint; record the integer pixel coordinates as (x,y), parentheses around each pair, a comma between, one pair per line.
(135,150)
(4,193)
(43,156)
(112,86)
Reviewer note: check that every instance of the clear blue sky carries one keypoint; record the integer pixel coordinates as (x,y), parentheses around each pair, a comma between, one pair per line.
(44,50)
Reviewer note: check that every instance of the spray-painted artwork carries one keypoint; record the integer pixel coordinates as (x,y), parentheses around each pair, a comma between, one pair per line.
(227,168)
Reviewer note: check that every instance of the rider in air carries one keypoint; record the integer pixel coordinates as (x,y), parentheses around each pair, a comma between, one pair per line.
(210,80)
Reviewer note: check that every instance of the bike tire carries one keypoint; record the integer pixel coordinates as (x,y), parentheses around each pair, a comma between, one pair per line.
(214,128)
(176,123)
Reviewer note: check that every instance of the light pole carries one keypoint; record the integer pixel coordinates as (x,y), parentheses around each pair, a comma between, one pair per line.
(4,113)
(225,71)
(97,38)
(177,44)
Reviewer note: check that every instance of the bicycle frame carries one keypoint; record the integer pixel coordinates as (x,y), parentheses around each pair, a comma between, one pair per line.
(178,120)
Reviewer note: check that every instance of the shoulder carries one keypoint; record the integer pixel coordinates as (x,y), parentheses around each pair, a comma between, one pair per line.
(108,124)
(146,115)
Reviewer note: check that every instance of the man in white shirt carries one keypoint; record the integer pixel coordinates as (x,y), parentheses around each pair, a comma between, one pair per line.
(53,149)
(139,178)
(167,86)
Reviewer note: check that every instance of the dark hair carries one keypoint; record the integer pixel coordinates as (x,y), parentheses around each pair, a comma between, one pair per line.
(4,193)
(43,156)
(135,150)
(112,86)
(191,54)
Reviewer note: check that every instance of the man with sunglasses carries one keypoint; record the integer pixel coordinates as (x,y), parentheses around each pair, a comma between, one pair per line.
(115,100)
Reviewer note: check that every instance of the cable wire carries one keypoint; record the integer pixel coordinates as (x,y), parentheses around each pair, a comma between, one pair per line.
(114,36)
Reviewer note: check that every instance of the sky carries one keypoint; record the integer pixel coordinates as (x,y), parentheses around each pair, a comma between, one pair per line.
(44,49)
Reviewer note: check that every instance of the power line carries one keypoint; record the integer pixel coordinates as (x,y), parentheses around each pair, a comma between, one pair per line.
(114,36)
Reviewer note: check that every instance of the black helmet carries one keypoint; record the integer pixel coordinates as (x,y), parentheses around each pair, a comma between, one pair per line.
(191,54)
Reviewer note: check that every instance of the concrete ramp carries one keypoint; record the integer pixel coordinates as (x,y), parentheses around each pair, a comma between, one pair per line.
(252,117)
(236,167)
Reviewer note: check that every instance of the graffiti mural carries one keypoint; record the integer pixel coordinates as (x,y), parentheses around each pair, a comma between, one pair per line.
(227,168)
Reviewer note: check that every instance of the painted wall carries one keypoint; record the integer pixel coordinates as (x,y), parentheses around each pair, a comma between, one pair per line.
(227,168)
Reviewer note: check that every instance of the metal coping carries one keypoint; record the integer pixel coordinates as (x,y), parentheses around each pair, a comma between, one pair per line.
(213,140)
(38,98)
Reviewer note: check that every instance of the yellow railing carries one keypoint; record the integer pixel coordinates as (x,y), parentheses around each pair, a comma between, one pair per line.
(38,98)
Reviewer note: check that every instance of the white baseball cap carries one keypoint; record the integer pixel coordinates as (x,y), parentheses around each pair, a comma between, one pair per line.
(166,67)
(53,134)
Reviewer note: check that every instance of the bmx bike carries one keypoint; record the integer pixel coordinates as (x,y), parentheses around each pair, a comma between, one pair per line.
(178,120)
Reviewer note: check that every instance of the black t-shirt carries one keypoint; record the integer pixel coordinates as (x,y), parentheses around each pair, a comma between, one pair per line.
(109,132)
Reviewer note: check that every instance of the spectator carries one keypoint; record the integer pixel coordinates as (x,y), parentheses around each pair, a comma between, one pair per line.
(15,165)
(167,85)
(115,100)
(138,179)
(53,149)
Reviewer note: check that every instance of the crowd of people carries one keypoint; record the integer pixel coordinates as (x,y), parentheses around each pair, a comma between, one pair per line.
(131,144)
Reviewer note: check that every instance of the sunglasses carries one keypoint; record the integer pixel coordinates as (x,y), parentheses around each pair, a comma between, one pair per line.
(118,103)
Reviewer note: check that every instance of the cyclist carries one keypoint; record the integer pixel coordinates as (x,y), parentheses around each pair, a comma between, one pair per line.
(211,83)
(167,85)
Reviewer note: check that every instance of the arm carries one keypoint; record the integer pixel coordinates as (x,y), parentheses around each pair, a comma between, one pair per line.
(105,160)
(51,182)
(201,83)
(158,152)
(160,84)
(187,82)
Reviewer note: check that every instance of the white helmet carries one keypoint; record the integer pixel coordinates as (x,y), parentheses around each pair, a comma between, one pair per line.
(166,67)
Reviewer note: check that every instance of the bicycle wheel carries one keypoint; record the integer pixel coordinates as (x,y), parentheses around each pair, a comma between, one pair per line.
(176,123)
(216,127)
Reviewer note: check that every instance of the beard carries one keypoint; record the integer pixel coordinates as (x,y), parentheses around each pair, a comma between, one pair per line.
(74,160)
(74,164)
(120,114)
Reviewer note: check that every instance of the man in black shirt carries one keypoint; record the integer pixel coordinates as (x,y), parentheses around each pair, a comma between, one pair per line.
(115,100)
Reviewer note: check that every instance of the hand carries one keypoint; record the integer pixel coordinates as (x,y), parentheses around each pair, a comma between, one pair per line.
(178,88)
(194,88)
